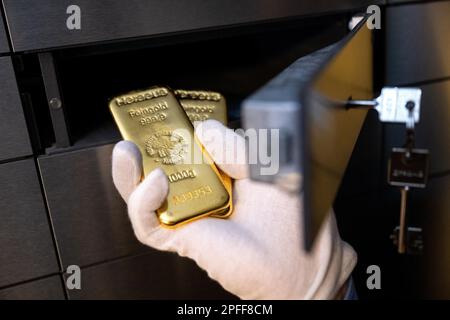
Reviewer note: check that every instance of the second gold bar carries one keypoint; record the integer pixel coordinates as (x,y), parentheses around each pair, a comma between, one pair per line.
(201,105)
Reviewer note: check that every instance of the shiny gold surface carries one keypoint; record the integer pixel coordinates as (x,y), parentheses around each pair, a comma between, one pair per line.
(152,119)
(201,106)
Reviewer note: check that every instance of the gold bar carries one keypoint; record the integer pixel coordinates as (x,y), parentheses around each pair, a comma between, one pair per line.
(202,105)
(149,119)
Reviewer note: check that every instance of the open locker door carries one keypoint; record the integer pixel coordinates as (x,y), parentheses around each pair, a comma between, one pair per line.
(307,102)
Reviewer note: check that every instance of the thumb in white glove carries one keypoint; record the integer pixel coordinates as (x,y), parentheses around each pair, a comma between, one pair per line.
(256,253)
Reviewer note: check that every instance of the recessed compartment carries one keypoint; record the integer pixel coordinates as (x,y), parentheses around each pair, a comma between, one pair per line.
(234,62)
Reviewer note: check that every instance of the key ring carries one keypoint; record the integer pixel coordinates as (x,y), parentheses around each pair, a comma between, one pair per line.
(410,129)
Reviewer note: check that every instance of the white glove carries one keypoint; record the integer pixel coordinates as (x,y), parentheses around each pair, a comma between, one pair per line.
(256,253)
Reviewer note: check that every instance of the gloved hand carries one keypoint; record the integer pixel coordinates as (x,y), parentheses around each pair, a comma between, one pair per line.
(256,253)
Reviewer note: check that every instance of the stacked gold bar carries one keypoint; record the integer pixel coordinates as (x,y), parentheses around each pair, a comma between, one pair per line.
(157,123)
(201,106)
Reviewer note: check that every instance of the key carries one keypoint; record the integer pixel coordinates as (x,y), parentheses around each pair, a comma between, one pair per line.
(393,104)
(407,168)
(413,239)
(402,227)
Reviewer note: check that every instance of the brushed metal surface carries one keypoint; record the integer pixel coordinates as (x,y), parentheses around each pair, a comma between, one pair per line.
(89,216)
(14,139)
(39,24)
(433,130)
(4,46)
(403,1)
(157,275)
(417,44)
(43,289)
(27,249)
(432,205)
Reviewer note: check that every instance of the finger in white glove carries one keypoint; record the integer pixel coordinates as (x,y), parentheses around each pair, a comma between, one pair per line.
(227,149)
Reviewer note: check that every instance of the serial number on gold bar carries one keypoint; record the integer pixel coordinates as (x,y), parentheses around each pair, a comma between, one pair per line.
(193,194)
(152,119)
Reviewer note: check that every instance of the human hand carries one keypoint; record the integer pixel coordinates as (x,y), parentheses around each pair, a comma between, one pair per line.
(256,253)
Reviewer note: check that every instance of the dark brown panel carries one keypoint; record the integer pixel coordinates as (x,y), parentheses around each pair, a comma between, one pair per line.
(157,275)
(417,44)
(38,24)
(27,249)
(43,289)
(89,216)
(14,139)
(430,209)
(4,46)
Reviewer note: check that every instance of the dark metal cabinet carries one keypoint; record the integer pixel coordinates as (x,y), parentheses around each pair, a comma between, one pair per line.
(432,206)
(89,216)
(38,24)
(27,249)
(156,275)
(14,139)
(400,2)
(417,42)
(4,46)
(433,131)
(48,288)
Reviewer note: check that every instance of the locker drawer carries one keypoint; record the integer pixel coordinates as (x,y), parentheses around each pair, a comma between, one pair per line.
(4,46)
(157,275)
(27,250)
(417,43)
(44,289)
(89,216)
(14,139)
(243,62)
(431,206)
(47,27)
